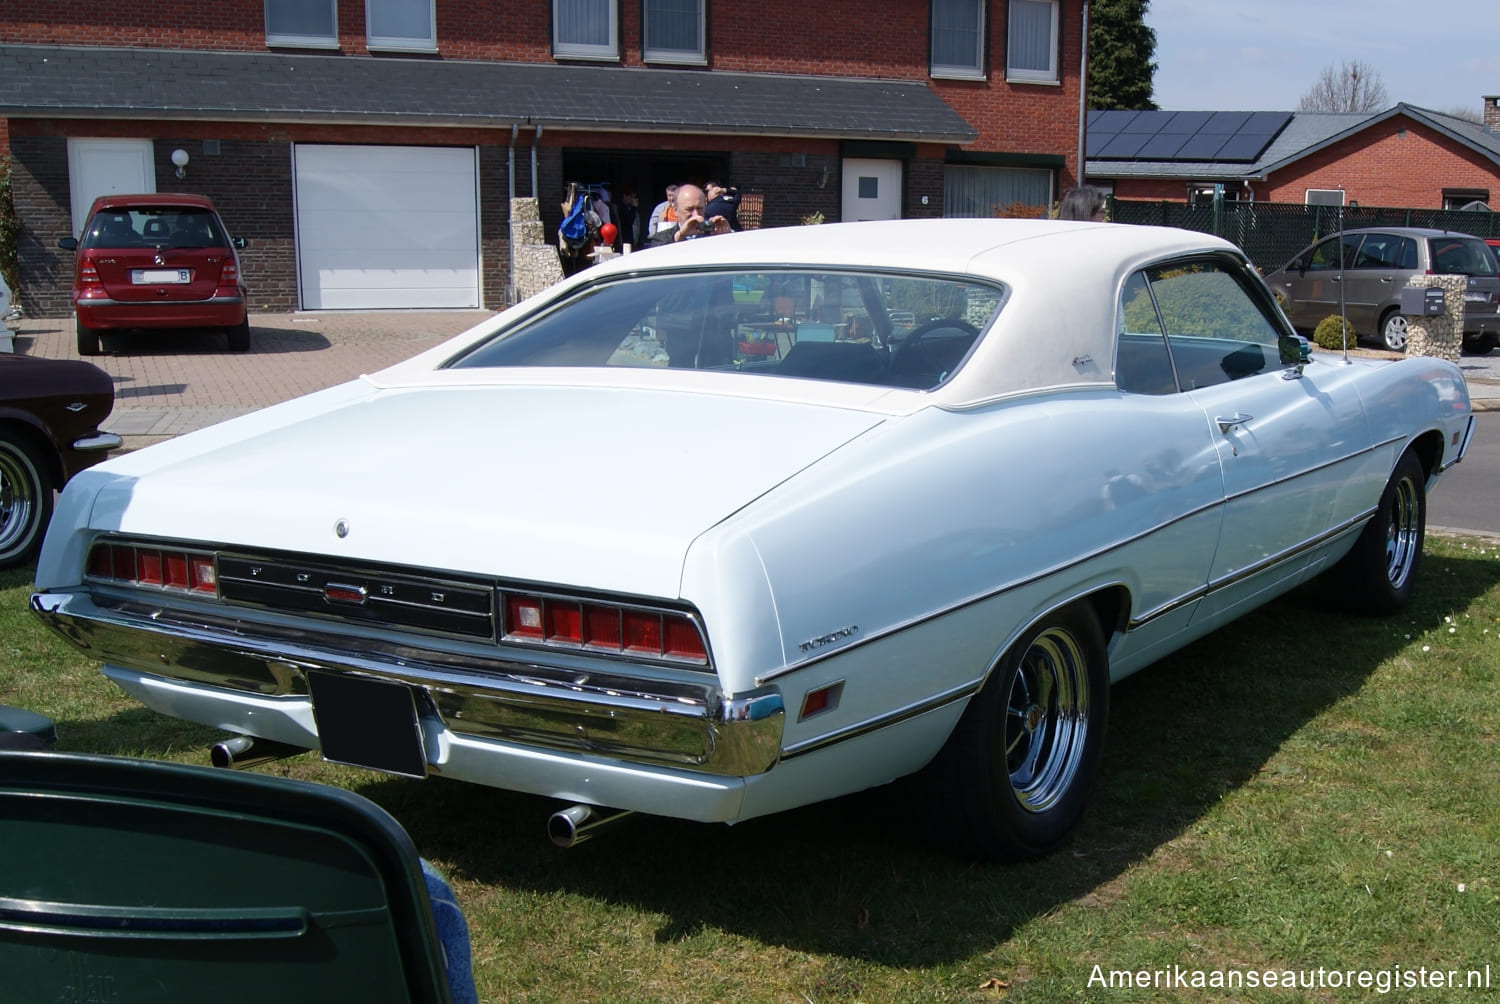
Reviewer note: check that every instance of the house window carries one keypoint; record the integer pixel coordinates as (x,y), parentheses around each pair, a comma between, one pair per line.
(400,24)
(987,192)
(1031,41)
(673,31)
(306,23)
(958,38)
(586,29)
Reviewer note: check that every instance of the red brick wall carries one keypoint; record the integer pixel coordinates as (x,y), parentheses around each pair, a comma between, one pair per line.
(1398,162)
(852,38)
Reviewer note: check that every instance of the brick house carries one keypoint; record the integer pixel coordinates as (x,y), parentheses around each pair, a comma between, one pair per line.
(370,149)
(1404,156)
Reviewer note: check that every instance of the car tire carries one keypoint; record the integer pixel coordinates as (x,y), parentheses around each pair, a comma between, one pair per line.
(26,487)
(239,336)
(88,339)
(1016,774)
(1481,345)
(1378,574)
(1393,330)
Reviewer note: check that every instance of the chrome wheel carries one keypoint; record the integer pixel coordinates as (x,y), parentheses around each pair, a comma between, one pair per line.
(1403,532)
(1393,332)
(25,502)
(1047,719)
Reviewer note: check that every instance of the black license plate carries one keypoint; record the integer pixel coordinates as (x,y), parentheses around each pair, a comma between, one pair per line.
(366,723)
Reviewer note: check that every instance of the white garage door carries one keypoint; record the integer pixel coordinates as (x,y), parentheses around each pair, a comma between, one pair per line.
(387,226)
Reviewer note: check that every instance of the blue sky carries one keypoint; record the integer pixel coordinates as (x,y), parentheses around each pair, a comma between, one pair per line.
(1263,55)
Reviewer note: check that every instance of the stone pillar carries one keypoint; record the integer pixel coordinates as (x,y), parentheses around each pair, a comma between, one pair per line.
(1442,335)
(534,257)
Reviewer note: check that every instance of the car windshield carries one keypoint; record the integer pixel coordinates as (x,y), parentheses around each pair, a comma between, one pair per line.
(889,329)
(154,227)
(1453,255)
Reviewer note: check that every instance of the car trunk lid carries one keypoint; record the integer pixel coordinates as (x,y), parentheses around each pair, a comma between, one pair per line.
(585,487)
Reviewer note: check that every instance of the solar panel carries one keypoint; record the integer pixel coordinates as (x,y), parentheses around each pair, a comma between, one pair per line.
(1242,148)
(1225,123)
(1204,146)
(1182,136)
(1162,147)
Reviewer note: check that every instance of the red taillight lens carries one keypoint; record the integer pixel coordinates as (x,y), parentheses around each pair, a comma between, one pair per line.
(230,273)
(88,275)
(183,571)
(564,622)
(642,632)
(604,628)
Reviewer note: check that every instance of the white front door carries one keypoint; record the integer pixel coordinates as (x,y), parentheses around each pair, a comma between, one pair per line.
(106,167)
(872,190)
(387,226)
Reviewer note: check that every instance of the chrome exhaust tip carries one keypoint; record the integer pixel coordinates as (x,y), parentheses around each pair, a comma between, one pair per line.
(248,751)
(577,823)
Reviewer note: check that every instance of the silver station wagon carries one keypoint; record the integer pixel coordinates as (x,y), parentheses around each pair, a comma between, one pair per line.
(1365,271)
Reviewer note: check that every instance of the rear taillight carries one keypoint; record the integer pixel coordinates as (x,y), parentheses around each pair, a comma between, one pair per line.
(88,276)
(164,568)
(603,627)
(231,271)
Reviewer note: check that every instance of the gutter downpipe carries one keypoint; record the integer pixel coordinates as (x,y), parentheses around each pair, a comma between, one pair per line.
(510,176)
(536,141)
(1083,93)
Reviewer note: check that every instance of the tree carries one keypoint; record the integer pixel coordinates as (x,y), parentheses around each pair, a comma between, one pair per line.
(1121,47)
(1464,112)
(1354,86)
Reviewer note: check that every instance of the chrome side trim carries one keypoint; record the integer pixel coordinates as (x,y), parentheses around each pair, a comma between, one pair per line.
(1249,571)
(1310,470)
(104,301)
(98,441)
(895,717)
(686,724)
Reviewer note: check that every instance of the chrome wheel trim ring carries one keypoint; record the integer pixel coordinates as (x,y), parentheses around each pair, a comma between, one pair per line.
(1046,720)
(17,499)
(1402,533)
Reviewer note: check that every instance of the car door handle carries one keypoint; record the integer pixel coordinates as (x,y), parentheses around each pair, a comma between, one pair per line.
(1237,419)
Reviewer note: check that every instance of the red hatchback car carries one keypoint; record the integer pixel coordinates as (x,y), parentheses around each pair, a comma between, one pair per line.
(156,261)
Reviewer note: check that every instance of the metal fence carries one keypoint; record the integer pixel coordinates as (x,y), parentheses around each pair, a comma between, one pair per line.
(1270,233)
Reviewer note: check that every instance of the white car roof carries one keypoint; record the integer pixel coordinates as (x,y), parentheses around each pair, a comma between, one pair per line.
(1056,328)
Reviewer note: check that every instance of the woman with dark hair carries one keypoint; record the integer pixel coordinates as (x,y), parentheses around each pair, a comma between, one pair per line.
(1082,203)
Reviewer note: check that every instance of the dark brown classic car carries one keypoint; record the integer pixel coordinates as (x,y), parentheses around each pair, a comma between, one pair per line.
(50,410)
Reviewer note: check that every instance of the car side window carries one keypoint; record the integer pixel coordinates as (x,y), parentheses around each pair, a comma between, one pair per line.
(1216,331)
(1142,363)
(1334,253)
(1386,251)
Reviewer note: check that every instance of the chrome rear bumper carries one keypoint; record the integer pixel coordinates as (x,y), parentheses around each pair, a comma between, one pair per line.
(685,725)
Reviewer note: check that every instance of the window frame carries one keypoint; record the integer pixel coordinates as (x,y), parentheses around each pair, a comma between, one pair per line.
(608,52)
(680,57)
(953,71)
(275,39)
(1021,75)
(393,43)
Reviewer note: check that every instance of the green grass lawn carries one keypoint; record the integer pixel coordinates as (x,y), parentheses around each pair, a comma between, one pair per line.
(1302,790)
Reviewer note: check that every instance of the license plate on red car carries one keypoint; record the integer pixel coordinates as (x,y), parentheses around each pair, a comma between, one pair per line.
(150,276)
(367,723)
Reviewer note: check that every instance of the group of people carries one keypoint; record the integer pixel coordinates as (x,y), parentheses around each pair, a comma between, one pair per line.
(689,212)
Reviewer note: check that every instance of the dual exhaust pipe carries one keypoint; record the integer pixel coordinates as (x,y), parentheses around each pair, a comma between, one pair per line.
(566,828)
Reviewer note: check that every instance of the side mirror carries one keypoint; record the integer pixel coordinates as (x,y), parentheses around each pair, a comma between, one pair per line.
(240,243)
(68,243)
(1294,350)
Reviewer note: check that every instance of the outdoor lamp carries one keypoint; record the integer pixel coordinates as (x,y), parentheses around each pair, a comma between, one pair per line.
(180,159)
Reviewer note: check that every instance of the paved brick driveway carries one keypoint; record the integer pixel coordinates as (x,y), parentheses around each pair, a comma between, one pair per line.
(171,382)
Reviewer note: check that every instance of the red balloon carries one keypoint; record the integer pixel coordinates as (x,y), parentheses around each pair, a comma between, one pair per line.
(608,232)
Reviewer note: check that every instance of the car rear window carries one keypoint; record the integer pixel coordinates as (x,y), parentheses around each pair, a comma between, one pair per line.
(1462,256)
(154,227)
(889,329)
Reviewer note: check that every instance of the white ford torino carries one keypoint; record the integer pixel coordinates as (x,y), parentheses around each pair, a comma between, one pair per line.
(715,530)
